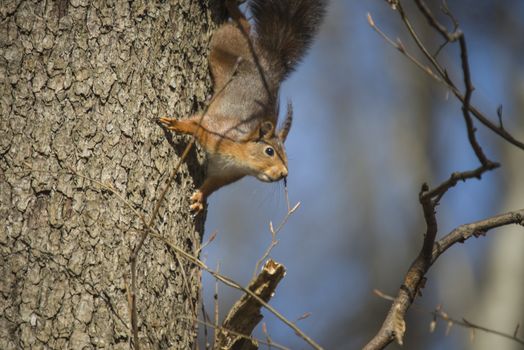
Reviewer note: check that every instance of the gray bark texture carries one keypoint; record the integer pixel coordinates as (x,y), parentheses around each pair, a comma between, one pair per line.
(82,84)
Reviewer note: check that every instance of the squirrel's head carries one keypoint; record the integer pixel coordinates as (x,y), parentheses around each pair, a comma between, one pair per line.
(266,150)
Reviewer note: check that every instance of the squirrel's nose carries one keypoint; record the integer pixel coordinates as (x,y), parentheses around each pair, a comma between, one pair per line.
(283,173)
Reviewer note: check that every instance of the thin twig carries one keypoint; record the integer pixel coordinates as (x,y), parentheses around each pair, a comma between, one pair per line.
(245,336)
(129,305)
(185,281)
(439,313)
(448,36)
(466,105)
(217,309)
(206,321)
(484,329)
(400,47)
(440,70)
(210,239)
(268,338)
(442,76)
(274,232)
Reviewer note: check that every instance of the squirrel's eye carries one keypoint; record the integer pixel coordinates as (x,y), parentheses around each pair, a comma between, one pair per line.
(270,151)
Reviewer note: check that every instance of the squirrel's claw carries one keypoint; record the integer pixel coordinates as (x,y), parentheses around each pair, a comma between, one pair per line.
(196,208)
(168,122)
(197,200)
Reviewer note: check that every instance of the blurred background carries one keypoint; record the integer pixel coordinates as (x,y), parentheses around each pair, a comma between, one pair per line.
(369,129)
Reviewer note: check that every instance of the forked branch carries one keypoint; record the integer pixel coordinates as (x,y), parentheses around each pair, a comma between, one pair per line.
(394,326)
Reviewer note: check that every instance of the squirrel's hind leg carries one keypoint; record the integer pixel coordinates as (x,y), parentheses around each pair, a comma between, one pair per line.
(229,46)
(210,185)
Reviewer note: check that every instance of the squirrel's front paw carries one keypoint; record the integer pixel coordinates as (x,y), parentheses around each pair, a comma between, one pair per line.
(170,123)
(197,200)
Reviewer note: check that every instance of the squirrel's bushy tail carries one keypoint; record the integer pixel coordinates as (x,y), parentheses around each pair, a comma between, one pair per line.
(284,30)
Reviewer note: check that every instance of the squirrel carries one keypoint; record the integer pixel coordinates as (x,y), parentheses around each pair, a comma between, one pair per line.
(238,128)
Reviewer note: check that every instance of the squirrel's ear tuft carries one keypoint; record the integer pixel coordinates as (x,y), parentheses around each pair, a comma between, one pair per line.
(266,130)
(284,131)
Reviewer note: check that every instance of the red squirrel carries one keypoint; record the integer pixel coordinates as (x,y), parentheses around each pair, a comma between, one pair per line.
(238,128)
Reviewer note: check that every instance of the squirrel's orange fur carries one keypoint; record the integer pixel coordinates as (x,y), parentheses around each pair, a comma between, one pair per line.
(237,129)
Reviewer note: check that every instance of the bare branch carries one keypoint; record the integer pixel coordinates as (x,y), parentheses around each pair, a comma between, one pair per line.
(464,232)
(245,314)
(438,313)
(441,75)
(448,36)
(415,277)
(394,326)
(455,177)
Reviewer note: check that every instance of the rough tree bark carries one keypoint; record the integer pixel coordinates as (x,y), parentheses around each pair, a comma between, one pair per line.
(82,83)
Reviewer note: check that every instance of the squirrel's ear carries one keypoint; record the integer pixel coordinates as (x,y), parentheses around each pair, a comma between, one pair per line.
(266,130)
(282,134)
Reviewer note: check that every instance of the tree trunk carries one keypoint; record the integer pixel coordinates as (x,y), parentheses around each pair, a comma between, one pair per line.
(82,83)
